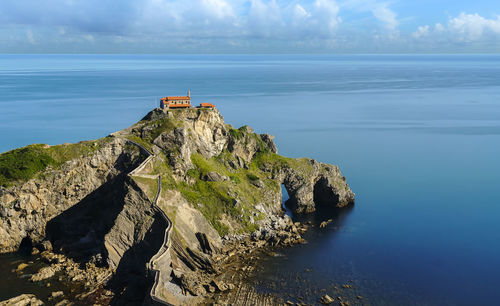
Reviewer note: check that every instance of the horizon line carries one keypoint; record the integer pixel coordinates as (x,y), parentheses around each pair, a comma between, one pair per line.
(235,53)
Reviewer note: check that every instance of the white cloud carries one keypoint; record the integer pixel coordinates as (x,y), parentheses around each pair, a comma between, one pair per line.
(265,19)
(422,31)
(471,27)
(201,19)
(300,13)
(165,18)
(380,10)
(218,9)
(227,25)
(439,28)
(30,37)
(463,28)
(325,12)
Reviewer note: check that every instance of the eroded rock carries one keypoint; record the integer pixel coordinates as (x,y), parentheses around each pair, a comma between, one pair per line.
(44,273)
(22,300)
(29,206)
(326,300)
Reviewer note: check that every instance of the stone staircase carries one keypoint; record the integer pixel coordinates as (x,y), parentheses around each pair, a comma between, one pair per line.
(161,263)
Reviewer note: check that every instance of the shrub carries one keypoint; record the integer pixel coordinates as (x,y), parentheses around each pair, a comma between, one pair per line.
(22,164)
(193,173)
(236,133)
(252,177)
(235,179)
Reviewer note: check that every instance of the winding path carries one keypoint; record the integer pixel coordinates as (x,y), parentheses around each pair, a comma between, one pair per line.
(162,252)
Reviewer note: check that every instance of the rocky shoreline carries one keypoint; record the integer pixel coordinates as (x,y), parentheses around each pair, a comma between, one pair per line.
(230,282)
(232,266)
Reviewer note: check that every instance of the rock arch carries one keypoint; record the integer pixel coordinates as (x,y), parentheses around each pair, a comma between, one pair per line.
(324,185)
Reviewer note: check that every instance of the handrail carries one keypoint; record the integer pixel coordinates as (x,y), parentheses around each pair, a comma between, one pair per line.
(163,249)
(164,246)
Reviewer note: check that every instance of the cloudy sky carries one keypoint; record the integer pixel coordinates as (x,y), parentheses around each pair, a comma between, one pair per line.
(249,26)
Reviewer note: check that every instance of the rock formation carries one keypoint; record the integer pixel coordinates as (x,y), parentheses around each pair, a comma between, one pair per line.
(26,207)
(22,300)
(220,186)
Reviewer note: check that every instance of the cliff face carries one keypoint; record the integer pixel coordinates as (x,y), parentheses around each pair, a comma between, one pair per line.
(26,207)
(216,181)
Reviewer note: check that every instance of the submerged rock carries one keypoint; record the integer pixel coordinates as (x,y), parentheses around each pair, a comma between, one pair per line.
(57,294)
(326,300)
(21,267)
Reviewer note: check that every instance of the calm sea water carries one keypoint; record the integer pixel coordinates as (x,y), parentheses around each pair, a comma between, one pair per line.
(418,138)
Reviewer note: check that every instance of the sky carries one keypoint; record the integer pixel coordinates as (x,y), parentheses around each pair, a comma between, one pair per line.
(249,26)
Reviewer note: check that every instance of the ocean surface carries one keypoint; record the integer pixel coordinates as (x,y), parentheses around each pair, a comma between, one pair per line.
(417,137)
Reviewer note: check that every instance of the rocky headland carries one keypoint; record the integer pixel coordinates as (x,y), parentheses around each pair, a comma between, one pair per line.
(175,209)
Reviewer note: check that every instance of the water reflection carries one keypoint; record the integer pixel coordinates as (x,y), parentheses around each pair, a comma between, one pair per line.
(294,274)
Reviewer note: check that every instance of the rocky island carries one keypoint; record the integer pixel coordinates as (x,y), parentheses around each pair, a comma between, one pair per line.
(171,210)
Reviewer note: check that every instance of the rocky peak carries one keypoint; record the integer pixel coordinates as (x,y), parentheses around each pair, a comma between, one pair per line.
(244,143)
(203,132)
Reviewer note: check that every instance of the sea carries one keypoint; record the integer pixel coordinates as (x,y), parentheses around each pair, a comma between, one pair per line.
(416,136)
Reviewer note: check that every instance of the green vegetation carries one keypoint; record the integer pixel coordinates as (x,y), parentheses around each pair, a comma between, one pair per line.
(212,200)
(216,199)
(234,199)
(252,177)
(140,141)
(23,164)
(235,178)
(244,137)
(160,126)
(148,131)
(237,133)
(149,185)
(204,166)
(275,162)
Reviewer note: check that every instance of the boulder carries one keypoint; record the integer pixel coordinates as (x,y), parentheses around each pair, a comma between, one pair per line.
(213,177)
(326,300)
(57,294)
(45,245)
(21,267)
(43,273)
(219,285)
(22,300)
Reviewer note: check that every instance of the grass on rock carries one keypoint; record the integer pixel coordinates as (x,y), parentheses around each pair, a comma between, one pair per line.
(20,165)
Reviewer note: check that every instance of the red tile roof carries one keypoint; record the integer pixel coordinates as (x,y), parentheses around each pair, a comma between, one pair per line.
(176,98)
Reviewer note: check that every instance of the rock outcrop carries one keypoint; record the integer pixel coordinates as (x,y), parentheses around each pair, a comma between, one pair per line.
(322,185)
(26,209)
(190,132)
(220,188)
(22,300)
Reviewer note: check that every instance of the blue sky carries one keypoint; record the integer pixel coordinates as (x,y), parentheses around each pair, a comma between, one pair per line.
(255,26)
